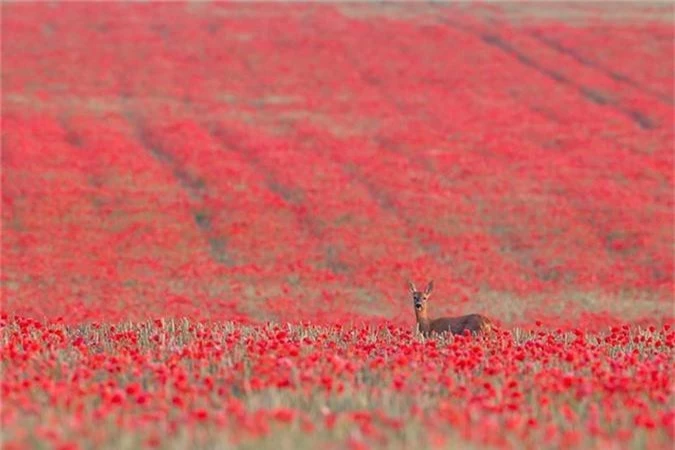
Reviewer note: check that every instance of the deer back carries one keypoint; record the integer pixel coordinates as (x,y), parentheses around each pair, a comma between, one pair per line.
(474,323)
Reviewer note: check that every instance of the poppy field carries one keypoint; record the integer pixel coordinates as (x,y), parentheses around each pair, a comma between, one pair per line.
(210,212)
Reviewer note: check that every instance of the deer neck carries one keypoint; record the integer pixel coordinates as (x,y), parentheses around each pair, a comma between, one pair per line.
(423,320)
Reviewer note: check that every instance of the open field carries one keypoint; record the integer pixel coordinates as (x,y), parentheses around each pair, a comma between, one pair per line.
(210,211)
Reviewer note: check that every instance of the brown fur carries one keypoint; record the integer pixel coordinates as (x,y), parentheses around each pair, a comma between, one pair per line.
(474,323)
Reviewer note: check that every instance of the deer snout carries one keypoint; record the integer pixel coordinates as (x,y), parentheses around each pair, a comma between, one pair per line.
(418,305)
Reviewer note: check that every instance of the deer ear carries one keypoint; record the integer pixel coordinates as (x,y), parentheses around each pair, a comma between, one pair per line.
(430,287)
(411,286)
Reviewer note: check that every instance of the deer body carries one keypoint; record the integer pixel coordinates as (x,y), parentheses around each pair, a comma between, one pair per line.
(474,323)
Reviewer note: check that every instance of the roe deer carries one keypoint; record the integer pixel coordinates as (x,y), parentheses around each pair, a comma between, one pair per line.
(475,323)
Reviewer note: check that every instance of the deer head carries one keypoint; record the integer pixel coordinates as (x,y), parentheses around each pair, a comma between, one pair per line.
(420,298)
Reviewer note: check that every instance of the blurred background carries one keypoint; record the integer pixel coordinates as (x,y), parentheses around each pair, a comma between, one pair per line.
(301,161)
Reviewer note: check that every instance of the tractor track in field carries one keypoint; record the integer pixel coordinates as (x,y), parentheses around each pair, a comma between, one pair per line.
(75,140)
(193,186)
(422,161)
(293,196)
(541,274)
(588,62)
(640,119)
(228,138)
(386,203)
(384,200)
(591,94)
